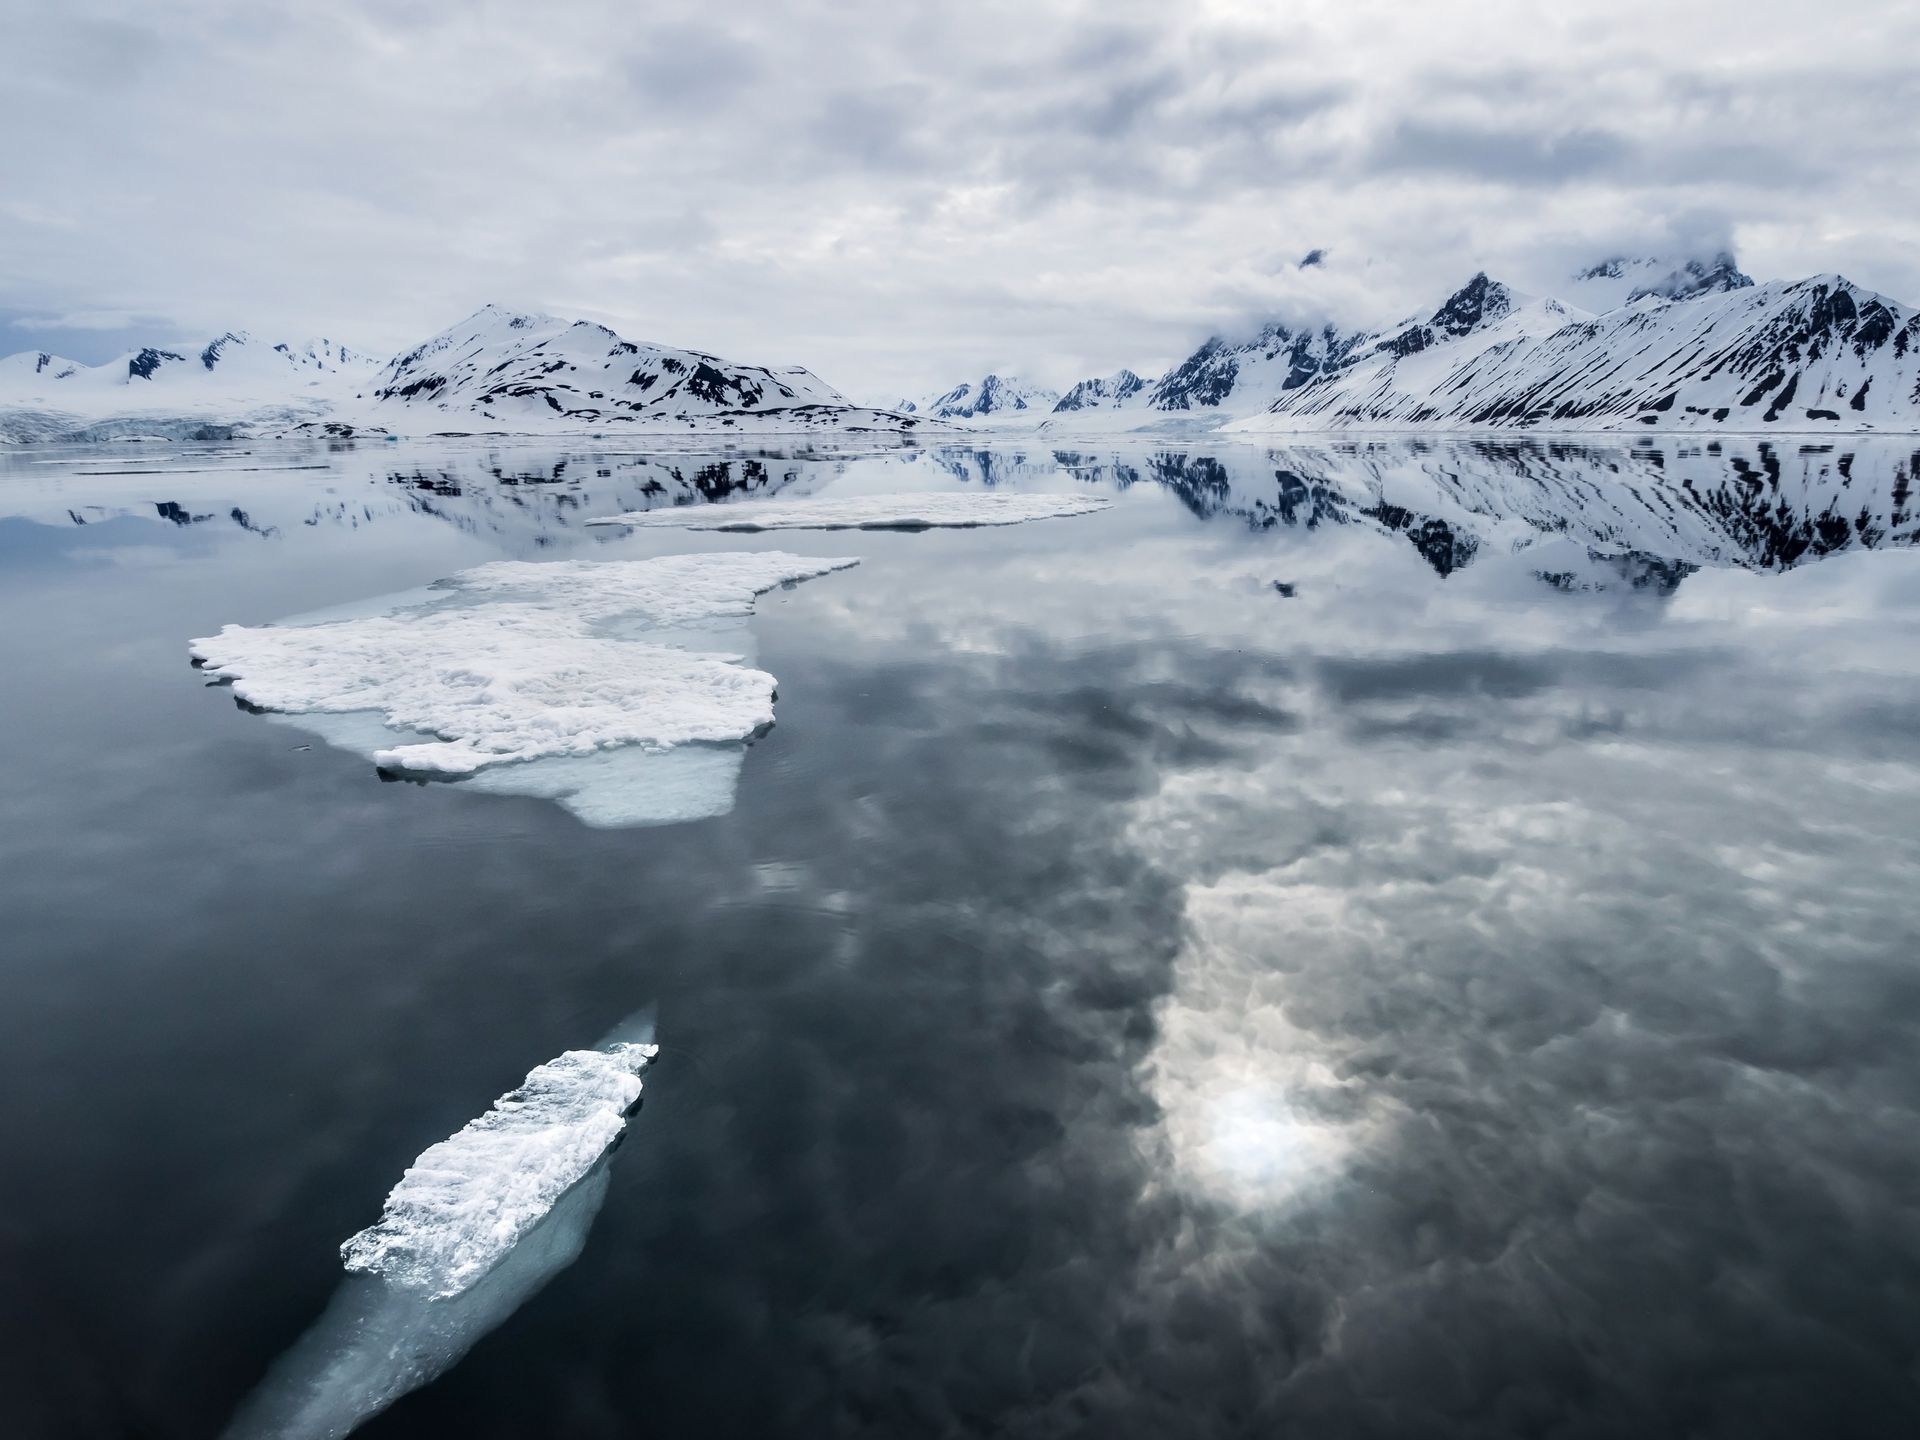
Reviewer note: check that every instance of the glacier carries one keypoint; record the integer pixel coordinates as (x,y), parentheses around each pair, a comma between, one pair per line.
(866,512)
(581,666)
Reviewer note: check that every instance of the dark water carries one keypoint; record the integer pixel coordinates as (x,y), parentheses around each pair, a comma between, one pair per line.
(1473,995)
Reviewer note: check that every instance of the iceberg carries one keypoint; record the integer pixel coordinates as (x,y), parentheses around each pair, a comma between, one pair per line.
(585,665)
(946,509)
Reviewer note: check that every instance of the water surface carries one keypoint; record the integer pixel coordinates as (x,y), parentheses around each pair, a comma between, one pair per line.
(1471,994)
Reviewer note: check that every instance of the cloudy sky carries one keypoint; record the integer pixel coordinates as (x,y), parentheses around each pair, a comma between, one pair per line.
(900,196)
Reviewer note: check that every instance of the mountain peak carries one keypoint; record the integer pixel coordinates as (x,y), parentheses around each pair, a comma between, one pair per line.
(1475,303)
(491,315)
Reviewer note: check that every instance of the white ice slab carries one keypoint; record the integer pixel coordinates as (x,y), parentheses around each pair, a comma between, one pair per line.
(867,512)
(466,1202)
(519,661)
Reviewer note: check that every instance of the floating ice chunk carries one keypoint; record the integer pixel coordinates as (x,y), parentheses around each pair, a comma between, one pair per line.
(466,1202)
(519,661)
(959,509)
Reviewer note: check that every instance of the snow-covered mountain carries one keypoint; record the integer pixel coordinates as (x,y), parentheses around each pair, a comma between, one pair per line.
(234,362)
(177,389)
(1813,354)
(993,399)
(35,366)
(1107,392)
(494,371)
(1229,377)
(498,369)
(1692,345)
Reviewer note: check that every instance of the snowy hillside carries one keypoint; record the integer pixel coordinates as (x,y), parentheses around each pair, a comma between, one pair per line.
(1809,355)
(177,389)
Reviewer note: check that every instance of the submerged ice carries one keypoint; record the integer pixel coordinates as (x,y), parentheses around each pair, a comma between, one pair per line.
(476,1226)
(517,661)
(867,512)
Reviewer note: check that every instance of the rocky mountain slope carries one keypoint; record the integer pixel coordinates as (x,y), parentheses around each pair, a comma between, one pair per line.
(1813,354)
(1108,392)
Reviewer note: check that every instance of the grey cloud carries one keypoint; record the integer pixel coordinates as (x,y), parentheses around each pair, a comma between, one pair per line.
(375,172)
(693,64)
(1514,154)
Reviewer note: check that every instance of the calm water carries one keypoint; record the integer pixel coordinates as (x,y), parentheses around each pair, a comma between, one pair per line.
(1475,994)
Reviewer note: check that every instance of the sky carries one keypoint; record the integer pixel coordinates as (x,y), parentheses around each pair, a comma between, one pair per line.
(903,196)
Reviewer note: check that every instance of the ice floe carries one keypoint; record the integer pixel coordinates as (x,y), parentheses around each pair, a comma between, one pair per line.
(597,669)
(468,1200)
(867,512)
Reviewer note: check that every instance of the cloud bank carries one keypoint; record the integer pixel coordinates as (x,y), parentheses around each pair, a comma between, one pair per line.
(897,195)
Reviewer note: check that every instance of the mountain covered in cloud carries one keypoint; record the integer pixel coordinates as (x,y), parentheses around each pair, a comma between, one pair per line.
(1807,355)
(1689,345)
(1235,378)
(1623,279)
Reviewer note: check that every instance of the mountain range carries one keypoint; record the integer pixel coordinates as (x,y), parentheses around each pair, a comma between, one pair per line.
(494,372)
(993,398)
(1692,344)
